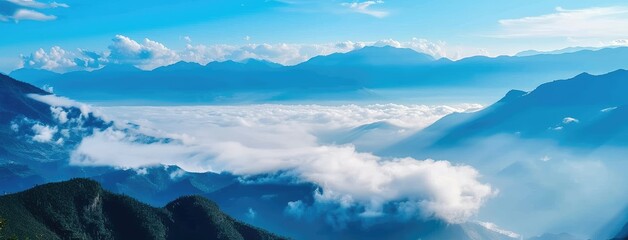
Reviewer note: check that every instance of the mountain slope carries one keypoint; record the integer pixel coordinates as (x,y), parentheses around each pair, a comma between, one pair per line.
(586,111)
(36,137)
(81,209)
(14,102)
(623,234)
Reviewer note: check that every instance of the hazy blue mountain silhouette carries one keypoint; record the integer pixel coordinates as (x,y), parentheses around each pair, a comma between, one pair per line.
(559,51)
(342,73)
(370,56)
(586,111)
(556,236)
(161,184)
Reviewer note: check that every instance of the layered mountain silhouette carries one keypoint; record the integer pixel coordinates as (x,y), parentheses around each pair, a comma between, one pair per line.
(343,74)
(586,111)
(555,236)
(160,184)
(82,209)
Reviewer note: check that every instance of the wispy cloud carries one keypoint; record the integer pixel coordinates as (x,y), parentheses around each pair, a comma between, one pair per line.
(365,8)
(18,10)
(597,22)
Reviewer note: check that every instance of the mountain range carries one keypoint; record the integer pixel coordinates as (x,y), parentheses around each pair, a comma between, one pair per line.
(339,75)
(528,143)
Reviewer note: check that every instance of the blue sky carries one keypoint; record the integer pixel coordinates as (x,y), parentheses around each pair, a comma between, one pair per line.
(291,31)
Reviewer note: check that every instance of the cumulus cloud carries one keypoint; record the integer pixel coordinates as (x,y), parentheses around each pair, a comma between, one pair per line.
(272,139)
(365,8)
(43,133)
(18,10)
(148,54)
(56,58)
(594,22)
(61,60)
(60,114)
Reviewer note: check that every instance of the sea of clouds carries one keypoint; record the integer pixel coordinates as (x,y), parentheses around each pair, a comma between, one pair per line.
(283,139)
(534,186)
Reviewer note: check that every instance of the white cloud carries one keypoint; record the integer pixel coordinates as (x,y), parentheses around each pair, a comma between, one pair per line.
(608,109)
(19,10)
(597,22)
(57,101)
(61,60)
(177,174)
(268,139)
(569,120)
(295,209)
(147,55)
(365,8)
(56,59)
(251,213)
(35,4)
(60,114)
(493,227)
(27,14)
(15,127)
(43,133)
(387,42)
(141,171)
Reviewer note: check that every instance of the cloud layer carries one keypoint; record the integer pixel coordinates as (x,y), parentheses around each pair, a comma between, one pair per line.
(279,139)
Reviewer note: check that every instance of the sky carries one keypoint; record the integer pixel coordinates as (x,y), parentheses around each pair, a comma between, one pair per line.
(77,34)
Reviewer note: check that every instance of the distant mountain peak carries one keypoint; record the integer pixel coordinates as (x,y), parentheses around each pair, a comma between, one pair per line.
(372,56)
(512,95)
(180,65)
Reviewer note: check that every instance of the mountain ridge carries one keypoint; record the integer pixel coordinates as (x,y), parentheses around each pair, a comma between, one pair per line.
(80,208)
(366,68)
